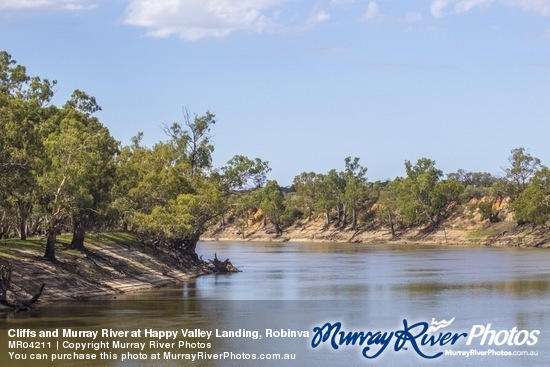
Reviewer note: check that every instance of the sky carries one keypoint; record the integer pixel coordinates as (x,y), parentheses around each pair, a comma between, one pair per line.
(304,84)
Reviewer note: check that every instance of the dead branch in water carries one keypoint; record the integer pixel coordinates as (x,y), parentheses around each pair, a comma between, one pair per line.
(218,266)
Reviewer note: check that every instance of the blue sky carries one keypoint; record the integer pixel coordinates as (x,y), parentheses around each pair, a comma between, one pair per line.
(303,84)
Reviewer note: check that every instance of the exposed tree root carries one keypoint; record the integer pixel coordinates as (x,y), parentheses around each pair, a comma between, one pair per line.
(15,302)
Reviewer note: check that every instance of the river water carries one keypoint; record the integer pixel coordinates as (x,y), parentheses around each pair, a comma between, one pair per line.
(288,289)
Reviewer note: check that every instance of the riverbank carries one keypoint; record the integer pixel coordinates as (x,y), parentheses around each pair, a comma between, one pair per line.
(456,231)
(117,262)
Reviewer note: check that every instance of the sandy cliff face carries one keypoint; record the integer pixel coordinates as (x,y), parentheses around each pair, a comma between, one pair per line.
(466,226)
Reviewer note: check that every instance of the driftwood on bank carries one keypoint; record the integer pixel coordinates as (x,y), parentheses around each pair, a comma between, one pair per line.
(15,302)
(218,266)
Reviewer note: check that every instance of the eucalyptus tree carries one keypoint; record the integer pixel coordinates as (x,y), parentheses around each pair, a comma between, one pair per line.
(243,173)
(193,141)
(94,194)
(533,204)
(522,167)
(78,153)
(473,179)
(421,197)
(306,190)
(175,197)
(329,195)
(270,199)
(24,106)
(421,181)
(389,211)
(235,181)
(355,187)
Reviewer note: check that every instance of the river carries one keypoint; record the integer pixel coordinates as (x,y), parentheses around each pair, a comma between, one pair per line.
(288,289)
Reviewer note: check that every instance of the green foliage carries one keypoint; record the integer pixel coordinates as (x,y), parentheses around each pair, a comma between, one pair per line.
(533,204)
(242,173)
(389,211)
(192,144)
(471,192)
(83,103)
(22,113)
(168,192)
(420,183)
(487,211)
(522,166)
(420,197)
(329,191)
(501,187)
(183,219)
(306,188)
(355,191)
(443,193)
(59,161)
(270,199)
(473,179)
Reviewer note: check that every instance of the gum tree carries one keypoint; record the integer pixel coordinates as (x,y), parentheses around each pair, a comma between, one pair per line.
(522,167)
(78,150)
(24,106)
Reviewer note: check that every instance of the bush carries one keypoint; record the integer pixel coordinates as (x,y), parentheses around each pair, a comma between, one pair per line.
(487,212)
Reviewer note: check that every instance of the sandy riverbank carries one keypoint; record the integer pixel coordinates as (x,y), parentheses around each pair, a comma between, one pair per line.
(116,263)
(453,232)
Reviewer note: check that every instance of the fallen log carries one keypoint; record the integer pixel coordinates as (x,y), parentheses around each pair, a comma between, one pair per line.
(15,302)
(218,266)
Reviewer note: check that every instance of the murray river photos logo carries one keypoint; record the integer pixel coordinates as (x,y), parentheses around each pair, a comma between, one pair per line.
(423,338)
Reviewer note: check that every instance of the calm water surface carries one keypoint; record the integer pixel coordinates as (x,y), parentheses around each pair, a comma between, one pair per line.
(299,286)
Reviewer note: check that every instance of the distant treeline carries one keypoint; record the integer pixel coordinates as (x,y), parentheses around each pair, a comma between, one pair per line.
(62,171)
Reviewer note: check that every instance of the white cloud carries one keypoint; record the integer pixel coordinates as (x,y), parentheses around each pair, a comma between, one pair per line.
(372,11)
(439,8)
(48,5)
(320,16)
(196,19)
(466,5)
(541,7)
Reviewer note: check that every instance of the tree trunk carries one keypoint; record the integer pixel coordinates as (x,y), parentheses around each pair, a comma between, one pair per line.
(33,226)
(189,244)
(50,241)
(391,225)
(4,226)
(434,222)
(23,215)
(344,215)
(79,232)
(354,218)
(50,246)
(77,243)
(278,229)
